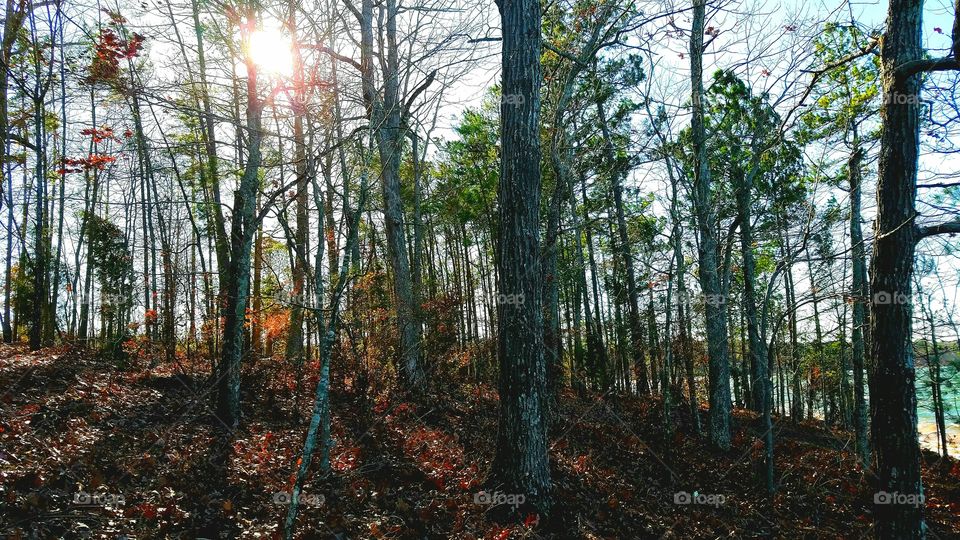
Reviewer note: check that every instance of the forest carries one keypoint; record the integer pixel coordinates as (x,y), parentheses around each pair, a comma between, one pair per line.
(512,269)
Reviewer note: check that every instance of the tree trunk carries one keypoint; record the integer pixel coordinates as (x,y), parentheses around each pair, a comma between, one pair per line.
(294,350)
(716,313)
(208,135)
(861,296)
(521,464)
(241,239)
(893,400)
(11,27)
(40,256)
(387,115)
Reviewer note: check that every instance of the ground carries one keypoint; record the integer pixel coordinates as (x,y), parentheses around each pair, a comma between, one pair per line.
(92,450)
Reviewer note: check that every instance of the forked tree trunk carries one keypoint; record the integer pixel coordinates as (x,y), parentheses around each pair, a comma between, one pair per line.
(241,240)
(41,253)
(386,114)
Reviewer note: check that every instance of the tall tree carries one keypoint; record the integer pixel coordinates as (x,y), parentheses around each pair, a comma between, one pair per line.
(386,111)
(301,241)
(618,167)
(715,308)
(846,90)
(893,400)
(16,11)
(241,241)
(521,463)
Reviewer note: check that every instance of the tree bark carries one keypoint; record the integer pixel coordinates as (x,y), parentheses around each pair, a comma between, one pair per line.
(241,240)
(521,464)
(860,295)
(716,313)
(893,400)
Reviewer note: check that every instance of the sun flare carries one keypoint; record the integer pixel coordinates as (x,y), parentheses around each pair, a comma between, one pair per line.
(271,51)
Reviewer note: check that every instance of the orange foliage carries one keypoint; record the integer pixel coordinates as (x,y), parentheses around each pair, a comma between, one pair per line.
(93,161)
(109,50)
(276,323)
(99,135)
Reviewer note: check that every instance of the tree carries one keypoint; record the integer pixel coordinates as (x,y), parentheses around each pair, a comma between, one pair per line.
(847,89)
(113,265)
(520,464)
(16,11)
(387,112)
(748,151)
(241,242)
(893,400)
(300,265)
(715,300)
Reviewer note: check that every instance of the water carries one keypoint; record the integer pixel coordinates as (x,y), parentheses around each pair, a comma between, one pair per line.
(926,421)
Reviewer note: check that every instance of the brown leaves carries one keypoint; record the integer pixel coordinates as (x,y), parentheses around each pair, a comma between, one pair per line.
(412,471)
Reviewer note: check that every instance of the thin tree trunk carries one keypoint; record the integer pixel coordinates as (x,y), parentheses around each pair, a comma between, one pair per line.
(12,22)
(208,135)
(294,350)
(716,315)
(861,295)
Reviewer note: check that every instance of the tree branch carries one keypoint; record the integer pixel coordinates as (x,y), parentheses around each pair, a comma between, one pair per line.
(926,65)
(817,73)
(418,90)
(938,185)
(949,227)
(332,54)
(547,45)
(21,141)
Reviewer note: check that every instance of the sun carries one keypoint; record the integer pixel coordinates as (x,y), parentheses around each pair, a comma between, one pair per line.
(271,51)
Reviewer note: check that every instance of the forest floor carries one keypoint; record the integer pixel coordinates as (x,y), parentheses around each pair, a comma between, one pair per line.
(88,450)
